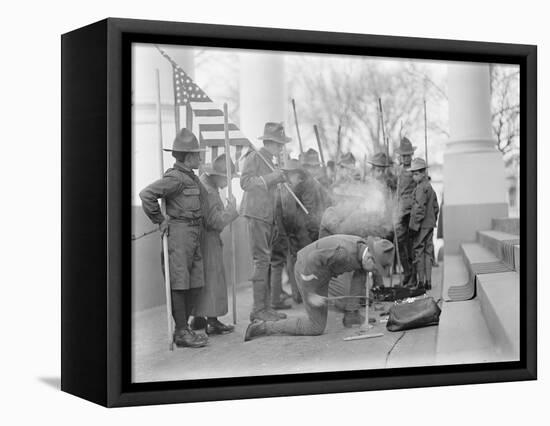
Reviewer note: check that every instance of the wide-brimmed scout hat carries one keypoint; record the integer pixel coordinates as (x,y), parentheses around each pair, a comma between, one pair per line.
(380,159)
(418,164)
(274,132)
(405,147)
(293,166)
(218,167)
(347,160)
(185,141)
(382,252)
(310,158)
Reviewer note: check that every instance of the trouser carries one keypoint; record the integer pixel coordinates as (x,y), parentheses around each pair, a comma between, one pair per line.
(182,306)
(261,236)
(404,240)
(316,320)
(279,256)
(423,247)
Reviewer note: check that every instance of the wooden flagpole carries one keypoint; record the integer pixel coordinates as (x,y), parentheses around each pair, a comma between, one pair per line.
(166,257)
(230,196)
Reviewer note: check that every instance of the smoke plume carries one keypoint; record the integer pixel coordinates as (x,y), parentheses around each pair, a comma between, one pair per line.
(361,208)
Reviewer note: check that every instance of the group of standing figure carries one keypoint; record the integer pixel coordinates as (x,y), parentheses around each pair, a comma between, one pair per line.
(310,245)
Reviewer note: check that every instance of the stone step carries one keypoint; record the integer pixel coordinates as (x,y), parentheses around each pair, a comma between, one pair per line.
(480,260)
(463,336)
(499,300)
(501,244)
(509,225)
(456,282)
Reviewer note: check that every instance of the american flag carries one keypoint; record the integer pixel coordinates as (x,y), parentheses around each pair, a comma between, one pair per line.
(207,117)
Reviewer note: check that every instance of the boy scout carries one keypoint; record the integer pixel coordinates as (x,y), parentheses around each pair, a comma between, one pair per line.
(259,184)
(292,235)
(185,204)
(212,300)
(422,223)
(405,188)
(316,265)
(380,171)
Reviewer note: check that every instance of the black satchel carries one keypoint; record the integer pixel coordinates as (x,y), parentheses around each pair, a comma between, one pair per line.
(391,294)
(420,313)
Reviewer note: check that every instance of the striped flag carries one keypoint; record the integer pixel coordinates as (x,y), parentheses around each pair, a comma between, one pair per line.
(206,117)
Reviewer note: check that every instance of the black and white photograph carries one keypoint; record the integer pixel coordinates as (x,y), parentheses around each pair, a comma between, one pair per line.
(298,212)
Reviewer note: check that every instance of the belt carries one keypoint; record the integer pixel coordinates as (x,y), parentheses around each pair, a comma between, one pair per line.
(189,221)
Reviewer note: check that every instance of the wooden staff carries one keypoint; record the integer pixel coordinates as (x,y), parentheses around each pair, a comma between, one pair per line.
(229,175)
(290,191)
(167,286)
(338,143)
(426,135)
(385,141)
(319,145)
(297,127)
(395,241)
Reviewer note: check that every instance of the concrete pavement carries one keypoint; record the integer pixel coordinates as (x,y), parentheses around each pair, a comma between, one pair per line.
(230,356)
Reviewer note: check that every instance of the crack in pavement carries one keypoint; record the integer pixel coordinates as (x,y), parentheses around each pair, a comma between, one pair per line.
(393,347)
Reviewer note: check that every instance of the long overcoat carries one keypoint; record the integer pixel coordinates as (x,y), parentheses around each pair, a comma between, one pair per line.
(212,300)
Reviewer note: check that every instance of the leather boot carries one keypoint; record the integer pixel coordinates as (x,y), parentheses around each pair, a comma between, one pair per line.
(428,269)
(255,329)
(264,315)
(186,338)
(276,284)
(198,323)
(296,296)
(259,289)
(215,326)
(352,318)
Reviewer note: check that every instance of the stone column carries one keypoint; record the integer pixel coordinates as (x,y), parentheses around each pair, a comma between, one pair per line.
(262,92)
(473,172)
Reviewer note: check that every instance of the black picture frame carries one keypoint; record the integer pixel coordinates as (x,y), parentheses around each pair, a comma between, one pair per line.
(96,97)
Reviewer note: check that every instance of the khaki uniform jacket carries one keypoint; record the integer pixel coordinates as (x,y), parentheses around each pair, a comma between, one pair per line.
(184,195)
(259,199)
(185,207)
(332,256)
(425,207)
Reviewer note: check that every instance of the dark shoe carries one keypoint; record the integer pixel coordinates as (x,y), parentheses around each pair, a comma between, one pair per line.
(198,323)
(185,338)
(264,315)
(280,305)
(428,285)
(255,329)
(214,326)
(352,318)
